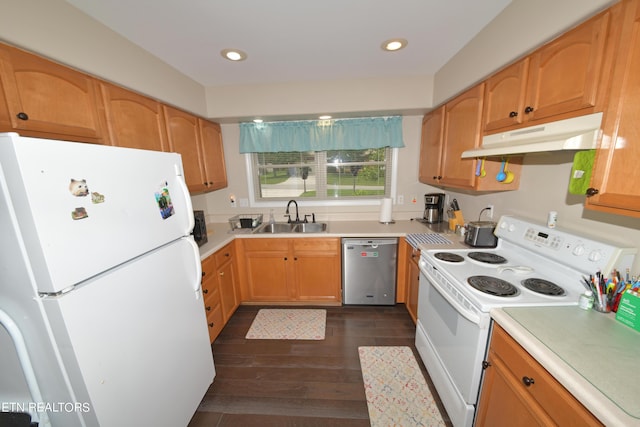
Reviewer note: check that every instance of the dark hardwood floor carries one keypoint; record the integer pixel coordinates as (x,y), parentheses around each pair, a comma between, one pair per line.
(300,383)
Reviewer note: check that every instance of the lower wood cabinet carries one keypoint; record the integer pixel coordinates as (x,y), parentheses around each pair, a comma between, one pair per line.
(413,283)
(291,269)
(219,288)
(518,391)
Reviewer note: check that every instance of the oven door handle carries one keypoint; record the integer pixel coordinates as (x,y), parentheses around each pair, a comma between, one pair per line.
(462,310)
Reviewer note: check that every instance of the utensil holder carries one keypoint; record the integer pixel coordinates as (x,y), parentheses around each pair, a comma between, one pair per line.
(457,219)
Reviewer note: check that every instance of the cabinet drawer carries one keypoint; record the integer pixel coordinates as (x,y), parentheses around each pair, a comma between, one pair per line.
(214,322)
(208,267)
(545,390)
(260,245)
(224,255)
(331,245)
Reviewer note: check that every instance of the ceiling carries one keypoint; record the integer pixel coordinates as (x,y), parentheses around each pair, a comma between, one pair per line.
(296,40)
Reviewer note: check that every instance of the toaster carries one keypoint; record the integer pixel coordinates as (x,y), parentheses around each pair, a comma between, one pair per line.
(480,234)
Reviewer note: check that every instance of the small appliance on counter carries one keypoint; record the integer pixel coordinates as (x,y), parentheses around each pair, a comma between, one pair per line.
(200,228)
(245,221)
(480,234)
(433,207)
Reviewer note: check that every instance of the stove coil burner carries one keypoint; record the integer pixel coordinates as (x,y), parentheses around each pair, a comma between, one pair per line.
(543,287)
(449,257)
(493,286)
(487,257)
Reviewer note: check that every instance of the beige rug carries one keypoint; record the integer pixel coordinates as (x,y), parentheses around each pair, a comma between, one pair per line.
(397,393)
(288,324)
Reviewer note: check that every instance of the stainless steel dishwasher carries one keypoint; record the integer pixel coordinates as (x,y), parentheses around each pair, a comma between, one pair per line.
(369,271)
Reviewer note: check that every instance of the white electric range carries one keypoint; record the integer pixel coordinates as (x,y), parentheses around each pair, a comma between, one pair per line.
(532,265)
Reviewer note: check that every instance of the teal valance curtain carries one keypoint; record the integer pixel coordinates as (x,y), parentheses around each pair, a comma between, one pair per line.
(321,135)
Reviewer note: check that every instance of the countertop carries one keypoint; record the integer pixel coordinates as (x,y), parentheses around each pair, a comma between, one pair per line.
(591,354)
(219,234)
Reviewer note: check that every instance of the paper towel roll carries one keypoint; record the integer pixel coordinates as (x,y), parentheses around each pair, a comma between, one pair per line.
(386,205)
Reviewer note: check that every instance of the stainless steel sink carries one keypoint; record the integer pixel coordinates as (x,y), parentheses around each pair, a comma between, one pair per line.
(304,227)
(277,227)
(310,227)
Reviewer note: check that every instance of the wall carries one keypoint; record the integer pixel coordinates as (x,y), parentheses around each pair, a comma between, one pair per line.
(57,30)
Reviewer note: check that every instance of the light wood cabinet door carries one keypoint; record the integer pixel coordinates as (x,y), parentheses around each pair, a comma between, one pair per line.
(462,131)
(184,138)
(133,120)
(504,96)
(518,391)
(565,74)
(266,271)
(431,147)
(211,295)
(413,282)
(5,119)
(227,280)
(614,180)
(317,267)
(45,99)
(212,155)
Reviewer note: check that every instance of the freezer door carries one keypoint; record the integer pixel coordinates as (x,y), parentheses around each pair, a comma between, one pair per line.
(137,340)
(82,209)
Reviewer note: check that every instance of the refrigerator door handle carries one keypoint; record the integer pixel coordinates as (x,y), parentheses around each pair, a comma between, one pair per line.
(187,199)
(198,278)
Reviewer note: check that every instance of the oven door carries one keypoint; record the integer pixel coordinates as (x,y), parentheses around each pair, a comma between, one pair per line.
(452,340)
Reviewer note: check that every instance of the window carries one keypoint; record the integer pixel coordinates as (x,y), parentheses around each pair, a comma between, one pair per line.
(345,160)
(322,175)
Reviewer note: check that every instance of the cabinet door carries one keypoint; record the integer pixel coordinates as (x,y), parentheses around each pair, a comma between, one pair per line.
(5,119)
(184,138)
(317,269)
(213,155)
(431,147)
(133,120)
(566,73)
(614,179)
(413,284)
(504,96)
(265,269)
(49,100)
(462,131)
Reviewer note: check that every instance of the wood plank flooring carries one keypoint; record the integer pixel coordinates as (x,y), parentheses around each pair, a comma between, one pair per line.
(300,383)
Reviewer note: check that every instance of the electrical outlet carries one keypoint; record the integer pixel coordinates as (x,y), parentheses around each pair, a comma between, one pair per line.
(400,199)
(490,211)
(232,200)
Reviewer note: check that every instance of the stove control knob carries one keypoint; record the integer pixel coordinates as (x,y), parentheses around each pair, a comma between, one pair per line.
(578,250)
(595,256)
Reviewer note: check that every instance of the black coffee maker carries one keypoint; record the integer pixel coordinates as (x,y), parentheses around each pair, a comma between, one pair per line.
(433,207)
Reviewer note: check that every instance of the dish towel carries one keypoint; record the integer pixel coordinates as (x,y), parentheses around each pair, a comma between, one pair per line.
(581,171)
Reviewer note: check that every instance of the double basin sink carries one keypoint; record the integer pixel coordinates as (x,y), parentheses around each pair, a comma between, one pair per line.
(284,227)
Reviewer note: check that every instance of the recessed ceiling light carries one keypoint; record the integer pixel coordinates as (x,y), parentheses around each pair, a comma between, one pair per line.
(394,44)
(325,117)
(233,55)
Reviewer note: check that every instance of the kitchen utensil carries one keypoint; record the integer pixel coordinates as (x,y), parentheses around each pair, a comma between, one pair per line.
(509,176)
(455,205)
(478,168)
(501,176)
(483,172)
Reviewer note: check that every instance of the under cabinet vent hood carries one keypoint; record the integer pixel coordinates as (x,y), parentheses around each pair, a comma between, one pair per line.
(580,133)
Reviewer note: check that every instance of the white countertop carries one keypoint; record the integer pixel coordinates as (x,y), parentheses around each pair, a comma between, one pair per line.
(219,234)
(591,354)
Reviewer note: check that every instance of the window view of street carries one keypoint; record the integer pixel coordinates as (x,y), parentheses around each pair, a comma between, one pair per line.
(322,175)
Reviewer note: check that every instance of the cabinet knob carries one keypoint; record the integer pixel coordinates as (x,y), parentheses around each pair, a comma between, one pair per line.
(285,258)
(485,364)
(22,116)
(437,177)
(208,308)
(591,191)
(222,273)
(513,114)
(205,291)
(528,381)
(227,254)
(211,325)
(528,110)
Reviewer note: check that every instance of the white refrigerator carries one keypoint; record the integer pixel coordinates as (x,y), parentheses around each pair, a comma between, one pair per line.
(101,310)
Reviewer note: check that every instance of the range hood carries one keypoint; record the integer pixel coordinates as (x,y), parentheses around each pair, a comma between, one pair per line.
(579,133)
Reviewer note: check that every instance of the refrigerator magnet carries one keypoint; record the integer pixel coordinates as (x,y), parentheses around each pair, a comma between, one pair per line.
(78,187)
(97,198)
(163,199)
(79,213)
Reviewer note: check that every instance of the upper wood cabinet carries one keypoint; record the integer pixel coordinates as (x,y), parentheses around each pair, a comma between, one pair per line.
(449,131)
(184,138)
(215,171)
(133,120)
(614,182)
(45,99)
(566,77)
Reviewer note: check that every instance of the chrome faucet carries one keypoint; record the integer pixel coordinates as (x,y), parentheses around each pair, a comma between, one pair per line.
(287,211)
